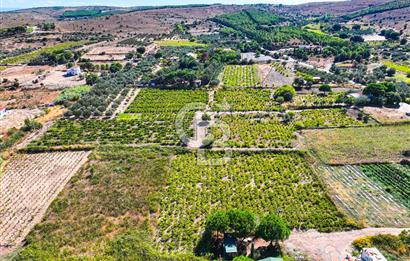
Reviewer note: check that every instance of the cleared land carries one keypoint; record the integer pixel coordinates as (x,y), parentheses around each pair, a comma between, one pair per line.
(28,186)
(363,199)
(359,145)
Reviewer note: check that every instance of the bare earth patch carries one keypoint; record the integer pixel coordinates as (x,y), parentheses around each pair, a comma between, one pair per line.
(330,246)
(28,186)
(15,118)
(389,115)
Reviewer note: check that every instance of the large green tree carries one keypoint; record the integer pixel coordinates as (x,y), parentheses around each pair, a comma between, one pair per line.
(241,222)
(272,228)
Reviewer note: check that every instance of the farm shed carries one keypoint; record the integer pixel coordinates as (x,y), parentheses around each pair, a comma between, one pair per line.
(73,71)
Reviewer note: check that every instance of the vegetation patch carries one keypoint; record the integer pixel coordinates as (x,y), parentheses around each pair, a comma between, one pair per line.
(393,178)
(241,76)
(322,118)
(359,145)
(261,183)
(253,130)
(399,67)
(72,94)
(179,43)
(104,211)
(157,101)
(34,54)
(362,199)
(244,100)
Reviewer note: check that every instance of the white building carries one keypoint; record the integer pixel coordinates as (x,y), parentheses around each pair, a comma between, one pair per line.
(371,254)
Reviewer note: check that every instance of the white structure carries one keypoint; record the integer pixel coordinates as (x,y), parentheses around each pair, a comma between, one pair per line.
(371,254)
(73,71)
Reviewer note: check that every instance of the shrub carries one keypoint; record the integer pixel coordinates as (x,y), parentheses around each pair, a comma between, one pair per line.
(286,91)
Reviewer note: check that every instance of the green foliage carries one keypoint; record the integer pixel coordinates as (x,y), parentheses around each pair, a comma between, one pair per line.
(253,130)
(100,214)
(218,221)
(240,76)
(34,54)
(157,101)
(241,222)
(91,79)
(394,178)
(244,100)
(392,247)
(115,67)
(286,92)
(281,183)
(272,228)
(319,118)
(397,4)
(242,258)
(72,94)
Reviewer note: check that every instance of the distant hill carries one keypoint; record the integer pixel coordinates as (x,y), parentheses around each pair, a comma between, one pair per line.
(374,9)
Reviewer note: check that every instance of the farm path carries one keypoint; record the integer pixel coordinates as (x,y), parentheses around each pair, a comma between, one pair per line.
(28,186)
(330,246)
(200,131)
(131,95)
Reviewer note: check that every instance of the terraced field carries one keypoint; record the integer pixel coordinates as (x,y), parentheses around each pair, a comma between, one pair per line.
(28,186)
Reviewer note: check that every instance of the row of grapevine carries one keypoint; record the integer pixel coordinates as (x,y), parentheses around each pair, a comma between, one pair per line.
(241,76)
(260,182)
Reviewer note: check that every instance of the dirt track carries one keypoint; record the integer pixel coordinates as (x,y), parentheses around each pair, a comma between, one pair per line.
(330,246)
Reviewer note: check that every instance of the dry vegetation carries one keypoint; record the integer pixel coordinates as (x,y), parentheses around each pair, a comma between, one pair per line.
(28,186)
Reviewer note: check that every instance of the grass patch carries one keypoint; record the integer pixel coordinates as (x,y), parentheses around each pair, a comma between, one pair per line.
(72,94)
(359,145)
(398,67)
(402,78)
(23,58)
(179,43)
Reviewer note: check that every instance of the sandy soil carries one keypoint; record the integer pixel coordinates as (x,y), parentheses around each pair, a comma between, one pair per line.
(48,76)
(330,246)
(20,99)
(271,78)
(15,118)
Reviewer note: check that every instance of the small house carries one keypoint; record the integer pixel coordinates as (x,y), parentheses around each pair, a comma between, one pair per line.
(371,254)
(73,71)
(230,246)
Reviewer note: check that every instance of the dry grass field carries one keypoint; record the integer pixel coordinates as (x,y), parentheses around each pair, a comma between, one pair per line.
(359,145)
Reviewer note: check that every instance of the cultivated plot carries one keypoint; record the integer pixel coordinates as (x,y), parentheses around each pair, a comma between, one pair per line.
(363,199)
(241,76)
(281,183)
(28,186)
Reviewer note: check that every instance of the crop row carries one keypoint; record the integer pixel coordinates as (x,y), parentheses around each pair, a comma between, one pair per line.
(135,129)
(259,182)
(30,182)
(311,101)
(325,118)
(240,76)
(244,100)
(280,68)
(394,178)
(157,101)
(252,130)
(364,199)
